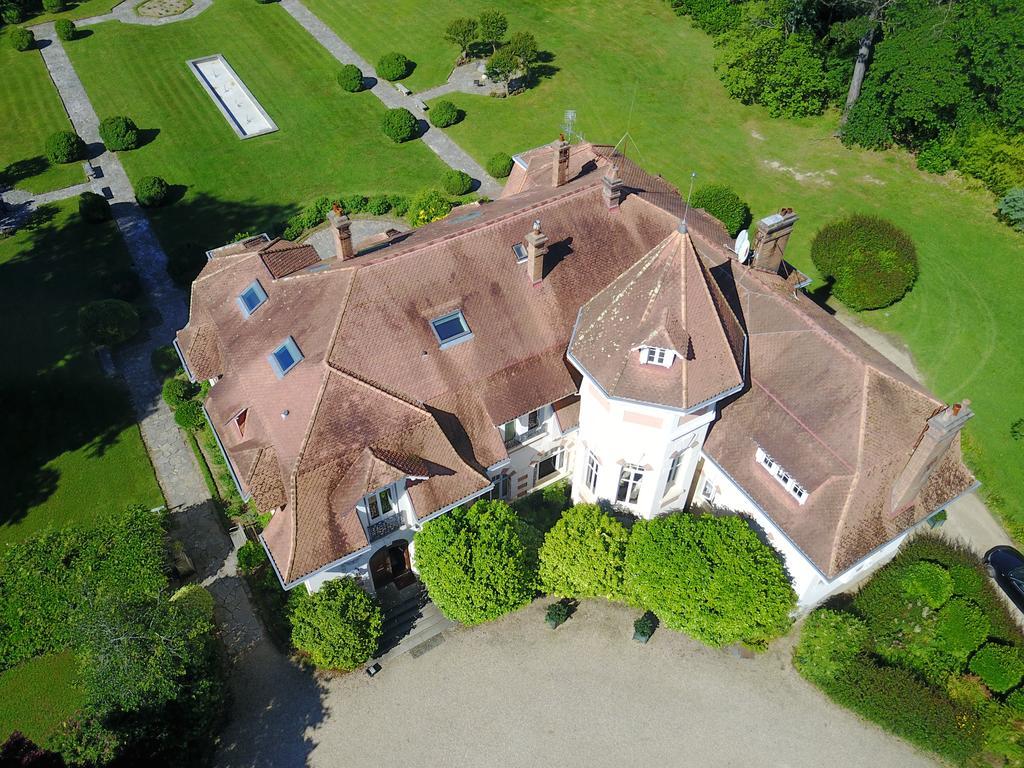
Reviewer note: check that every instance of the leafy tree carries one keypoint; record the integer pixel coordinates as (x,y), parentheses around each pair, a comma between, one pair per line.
(189,416)
(493,26)
(64,147)
(744,60)
(456,182)
(710,577)
(350,78)
(108,322)
(178,391)
(393,66)
(119,133)
(523,46)
(152,191)
(829,642)
(713,16)
(444,113)
(53,6)
(474,562)
(399,125)
(461,33)
(584,554)
(991,33)
(796,85)
(1011,208)
(503,66)
(724,204)
(339,625)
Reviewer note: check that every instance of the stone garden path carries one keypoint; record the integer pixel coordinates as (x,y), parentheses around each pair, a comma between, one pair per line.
(125,13)
(437,140)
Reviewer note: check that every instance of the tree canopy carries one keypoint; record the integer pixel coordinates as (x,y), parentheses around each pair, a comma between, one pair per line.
(583,555)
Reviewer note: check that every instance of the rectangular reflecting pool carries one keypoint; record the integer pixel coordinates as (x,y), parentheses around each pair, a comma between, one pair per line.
(233,99)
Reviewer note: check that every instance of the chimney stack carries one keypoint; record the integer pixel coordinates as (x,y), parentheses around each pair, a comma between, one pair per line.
(342,229)
(561,161)
(612,189)
(770,241)
(536,247)
(942,429)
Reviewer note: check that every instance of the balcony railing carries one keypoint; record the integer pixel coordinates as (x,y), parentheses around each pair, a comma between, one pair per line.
(526,437)
(383,527)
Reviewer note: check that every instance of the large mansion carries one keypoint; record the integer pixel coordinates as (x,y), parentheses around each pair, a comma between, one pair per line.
(584,326)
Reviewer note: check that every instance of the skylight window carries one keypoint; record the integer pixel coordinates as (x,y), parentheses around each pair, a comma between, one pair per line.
(252,298)
(285,357)
(451,329)
(657,356)
(520,252)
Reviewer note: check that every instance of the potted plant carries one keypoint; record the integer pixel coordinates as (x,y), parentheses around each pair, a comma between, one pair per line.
(643,628)
(557,614)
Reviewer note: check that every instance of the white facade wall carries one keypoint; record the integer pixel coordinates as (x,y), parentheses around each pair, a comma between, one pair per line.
(524,459)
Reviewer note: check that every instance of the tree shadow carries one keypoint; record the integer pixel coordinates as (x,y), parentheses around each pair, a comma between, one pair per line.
(544,69)
(82,33)
(20,170)
(369,82)
(148,135)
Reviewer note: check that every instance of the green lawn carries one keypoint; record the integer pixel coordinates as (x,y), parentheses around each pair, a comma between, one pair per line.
(38,695)
(637,67)
(73,450)
(76,10)
(328,142)
(32,110)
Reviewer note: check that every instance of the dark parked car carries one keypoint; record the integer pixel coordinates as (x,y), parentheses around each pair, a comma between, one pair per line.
(1006,566)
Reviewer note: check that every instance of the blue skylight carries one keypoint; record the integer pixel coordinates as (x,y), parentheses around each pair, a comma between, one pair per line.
(285,357)
(451,329)
(252,298)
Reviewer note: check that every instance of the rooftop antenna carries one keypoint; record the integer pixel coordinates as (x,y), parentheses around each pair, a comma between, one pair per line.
(569,126)
(686,210)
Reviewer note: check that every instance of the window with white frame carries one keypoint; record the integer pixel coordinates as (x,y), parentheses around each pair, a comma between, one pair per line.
(630,479)
(285,357)
(593,470)
(657,356)
(673,472)
(707,491)
(781,476)
(451,329)
(379,503)
(551,464)
(252,298)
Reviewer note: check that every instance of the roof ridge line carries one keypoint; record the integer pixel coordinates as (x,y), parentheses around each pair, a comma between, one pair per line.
(712,286)
(840,523)
(338,370)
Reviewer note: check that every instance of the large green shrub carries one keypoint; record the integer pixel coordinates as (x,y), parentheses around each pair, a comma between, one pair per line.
(11,14)
(873,262)
(119,133)
(399,125)
(928,582)
(108,322)
(829,642)
(713,16)
(22,39)
(427,206)
(53,6)
(724,204)
(456,182)
(93,207)
(393,66)
(584,554)
(710,577)
(960,628)
(543,508)
(399,204)
(251,556)
(164,360)
(64,147)
(1000,667)
(177,391)
(152,191)
(1011,208)
(867,125)
(475,563)
(378,205)
(339,625)
(443,114)
(189,416)
(350,78)
(66,29)
(499,165)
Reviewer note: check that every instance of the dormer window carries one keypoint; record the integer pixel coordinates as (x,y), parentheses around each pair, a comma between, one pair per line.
(781,476)
(240,420)
(252,298)
(285,357)
(451,329)
(657,356)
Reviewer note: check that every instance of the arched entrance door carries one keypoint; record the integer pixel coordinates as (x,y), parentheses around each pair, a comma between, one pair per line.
(391,564)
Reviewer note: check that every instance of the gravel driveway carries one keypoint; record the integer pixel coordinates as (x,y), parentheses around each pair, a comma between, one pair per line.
(514,693)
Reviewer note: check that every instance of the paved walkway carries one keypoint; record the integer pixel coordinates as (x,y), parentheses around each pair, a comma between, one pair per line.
(437,140)
(464,79)
(125,13)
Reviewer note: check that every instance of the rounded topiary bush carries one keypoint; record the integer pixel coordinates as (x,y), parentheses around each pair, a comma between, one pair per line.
(960,628)
(456,182)
(152,191)
(500,165)
(93,207)
(108,321)
(872,262)
(443,114)
(1000,667)
(176,392)
(583,555)
(66,29)
(53,6)
(475,562)
(378,205)
(829,641)
(427,206)
(119,133)
(928,582)
(189,416)
(393,66)
(64,147)
(350,78)
(724,204)
(399,125)
(11,14)
(339,625)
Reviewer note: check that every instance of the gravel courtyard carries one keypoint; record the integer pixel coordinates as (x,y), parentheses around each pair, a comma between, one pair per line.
(514,693)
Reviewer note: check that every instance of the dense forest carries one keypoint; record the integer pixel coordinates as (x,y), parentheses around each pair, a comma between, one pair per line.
(943,78)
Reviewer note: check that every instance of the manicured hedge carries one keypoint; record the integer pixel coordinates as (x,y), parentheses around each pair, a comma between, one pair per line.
(53,6)
(829,642)
(584,555)
(456,182)
(189,416)
(64,147)
(93,207)
(872,262)
(724,204)
(350,78)
(66,29)
(443,114)
(22,39)
(499,165)
(378,205)
(178,391)
(399,125)
(1000,667)
(339,625)
(119,133)
(928,581)
(393,66)
(108,322)
(152,191)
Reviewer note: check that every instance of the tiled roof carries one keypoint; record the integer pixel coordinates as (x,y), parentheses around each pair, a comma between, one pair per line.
(283,258)
(264,479)
(203,353)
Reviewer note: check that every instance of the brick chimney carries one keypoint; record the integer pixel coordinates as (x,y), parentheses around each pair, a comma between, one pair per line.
(770,241)
(561,161)
(942,428)
(612,187)
(536,243)
(341,227)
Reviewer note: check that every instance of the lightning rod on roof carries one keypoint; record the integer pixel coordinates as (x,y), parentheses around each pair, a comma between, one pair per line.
(686,210)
